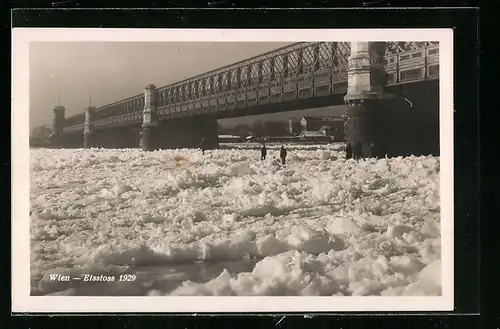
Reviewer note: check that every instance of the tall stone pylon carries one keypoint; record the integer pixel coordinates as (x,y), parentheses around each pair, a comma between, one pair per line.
(88,131)
(58,125)
(365,95)
(149,117)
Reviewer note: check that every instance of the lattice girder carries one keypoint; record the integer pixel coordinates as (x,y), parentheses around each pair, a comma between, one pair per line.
(273,69)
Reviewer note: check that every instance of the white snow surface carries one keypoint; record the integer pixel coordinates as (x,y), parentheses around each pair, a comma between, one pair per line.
(226,223)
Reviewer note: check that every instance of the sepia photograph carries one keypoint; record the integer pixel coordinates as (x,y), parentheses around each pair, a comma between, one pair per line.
(206,167)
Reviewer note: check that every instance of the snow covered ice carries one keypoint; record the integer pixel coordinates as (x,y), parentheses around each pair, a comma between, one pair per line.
(226,223)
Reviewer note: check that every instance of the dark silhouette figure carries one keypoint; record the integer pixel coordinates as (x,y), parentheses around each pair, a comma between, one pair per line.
(283,155)
(263,152)
(358,150)
(202,146)
(348,151)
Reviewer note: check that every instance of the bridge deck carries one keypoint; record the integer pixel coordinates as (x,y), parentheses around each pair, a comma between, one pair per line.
(283,76)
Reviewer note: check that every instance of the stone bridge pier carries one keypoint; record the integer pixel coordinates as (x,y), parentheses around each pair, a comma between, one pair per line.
(399,121)
(110,137)
(57,137)
(89,136)
(365,97)
(175,133)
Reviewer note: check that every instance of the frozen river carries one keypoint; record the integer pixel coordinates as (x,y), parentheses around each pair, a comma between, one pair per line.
(229,224)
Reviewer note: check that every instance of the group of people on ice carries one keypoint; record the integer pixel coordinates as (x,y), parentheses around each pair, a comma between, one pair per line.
(283,153)
(356,151)
(351,152)
(263,151)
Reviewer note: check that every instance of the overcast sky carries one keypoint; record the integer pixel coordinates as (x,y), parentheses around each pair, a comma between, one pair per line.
(112,71)
(115,70)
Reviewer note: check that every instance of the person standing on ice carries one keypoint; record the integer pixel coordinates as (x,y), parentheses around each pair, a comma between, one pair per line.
(283,154)
(348,151)
(202,146)
(263,152)
(358,150)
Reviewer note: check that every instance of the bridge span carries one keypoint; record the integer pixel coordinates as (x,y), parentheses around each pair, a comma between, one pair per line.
(391,89)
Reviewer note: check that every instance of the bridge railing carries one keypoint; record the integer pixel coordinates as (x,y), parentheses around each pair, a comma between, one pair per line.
(119,120)
(126,109)
(411,61)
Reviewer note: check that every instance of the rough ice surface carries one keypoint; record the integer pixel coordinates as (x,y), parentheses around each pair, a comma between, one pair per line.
(226,223)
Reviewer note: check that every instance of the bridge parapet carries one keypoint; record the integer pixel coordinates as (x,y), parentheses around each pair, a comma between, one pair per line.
(118,121)
(411,61)
(124,106)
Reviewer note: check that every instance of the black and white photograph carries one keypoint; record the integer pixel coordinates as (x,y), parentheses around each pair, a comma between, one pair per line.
(174,165)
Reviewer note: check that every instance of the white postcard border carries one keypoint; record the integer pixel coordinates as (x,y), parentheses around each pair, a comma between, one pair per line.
(23,302)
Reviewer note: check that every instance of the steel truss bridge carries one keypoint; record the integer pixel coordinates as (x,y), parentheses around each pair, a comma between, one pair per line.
(299,71)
